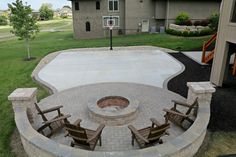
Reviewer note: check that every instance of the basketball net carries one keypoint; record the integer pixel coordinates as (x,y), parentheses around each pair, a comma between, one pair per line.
(110,27)
(110,24)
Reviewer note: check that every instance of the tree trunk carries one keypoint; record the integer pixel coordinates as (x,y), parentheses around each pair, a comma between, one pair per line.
(28,48)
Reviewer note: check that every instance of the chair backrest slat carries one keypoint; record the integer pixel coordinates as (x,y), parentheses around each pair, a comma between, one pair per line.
(157,132)
(40,112)
(77,133)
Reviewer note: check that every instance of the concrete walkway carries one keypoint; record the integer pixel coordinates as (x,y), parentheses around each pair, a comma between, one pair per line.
(197,56)
(144,65)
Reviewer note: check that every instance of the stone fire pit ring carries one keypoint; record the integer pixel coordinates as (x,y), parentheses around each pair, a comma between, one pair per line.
(116,115)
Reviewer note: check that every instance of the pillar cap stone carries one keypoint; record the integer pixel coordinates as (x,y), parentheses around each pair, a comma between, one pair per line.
(21,94)
(201,87)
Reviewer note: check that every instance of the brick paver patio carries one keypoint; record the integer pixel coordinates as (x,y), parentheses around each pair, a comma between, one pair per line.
(115,138)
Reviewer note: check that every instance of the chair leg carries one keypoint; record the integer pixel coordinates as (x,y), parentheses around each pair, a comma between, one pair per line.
(50,134)
(59,113)
(132,141)
(50,127)
(166,118)
(72,144)
(160,141)
(100,141)
(66,121)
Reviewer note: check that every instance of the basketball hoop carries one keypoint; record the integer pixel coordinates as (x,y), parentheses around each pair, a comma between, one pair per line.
(110,23)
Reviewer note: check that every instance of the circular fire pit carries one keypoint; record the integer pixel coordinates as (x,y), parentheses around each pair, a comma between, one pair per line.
(113,110)
(113,103)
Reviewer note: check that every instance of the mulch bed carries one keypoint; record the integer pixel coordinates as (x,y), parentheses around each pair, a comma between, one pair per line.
(223,105)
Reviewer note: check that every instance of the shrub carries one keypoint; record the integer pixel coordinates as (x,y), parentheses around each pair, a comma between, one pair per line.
(214,21)
(197,23)
(64,16)
(120,32)
(185,33)
(188,23)
(182,18)
(194,34)
(205,23)
(206,32)
(174,32)
(3,20)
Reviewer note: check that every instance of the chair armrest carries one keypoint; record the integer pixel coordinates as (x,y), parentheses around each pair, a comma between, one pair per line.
(52,109)
(97,133)
(176,113)
(57,119)
(155,122)
(136,133)
(180,103)
(42,128)
(77,122)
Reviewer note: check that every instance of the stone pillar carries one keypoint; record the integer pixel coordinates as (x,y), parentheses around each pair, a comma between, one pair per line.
(24,99)
(202,90)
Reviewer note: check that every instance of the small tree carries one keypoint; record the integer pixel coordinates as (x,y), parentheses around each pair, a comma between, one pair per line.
(64,15)
(214,21)
(23,23)
(46,11)
(3,20)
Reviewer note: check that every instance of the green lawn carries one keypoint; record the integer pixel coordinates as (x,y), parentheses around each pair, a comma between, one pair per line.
(57,25)
(218,143)
(54,24)
(15,73)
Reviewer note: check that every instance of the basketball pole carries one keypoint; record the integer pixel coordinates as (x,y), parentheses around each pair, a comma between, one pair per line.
(110,23)
(111,39)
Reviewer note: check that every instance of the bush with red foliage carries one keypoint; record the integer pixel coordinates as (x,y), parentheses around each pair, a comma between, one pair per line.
(197,23)
(188,23)
(205,22)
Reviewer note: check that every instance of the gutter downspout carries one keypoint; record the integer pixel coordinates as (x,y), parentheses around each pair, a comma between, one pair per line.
(167,14)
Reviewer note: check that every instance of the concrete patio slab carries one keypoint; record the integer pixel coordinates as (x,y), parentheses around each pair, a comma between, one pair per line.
(144,65)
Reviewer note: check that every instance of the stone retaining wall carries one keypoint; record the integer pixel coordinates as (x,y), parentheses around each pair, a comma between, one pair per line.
(185,145)
(187,28)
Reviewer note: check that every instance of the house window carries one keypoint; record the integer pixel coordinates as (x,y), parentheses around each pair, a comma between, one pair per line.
(76,5)
(234,12)
(113,5)
(98,5)
(87,26)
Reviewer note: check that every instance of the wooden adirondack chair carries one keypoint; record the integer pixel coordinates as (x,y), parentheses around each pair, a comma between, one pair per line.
(179,118)
(58,120)
(82,137)
(151,135)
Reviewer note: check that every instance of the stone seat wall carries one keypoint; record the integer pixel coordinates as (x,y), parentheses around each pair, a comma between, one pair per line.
(185,145)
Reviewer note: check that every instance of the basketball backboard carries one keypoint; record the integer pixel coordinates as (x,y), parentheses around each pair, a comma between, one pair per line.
(111,21)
